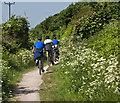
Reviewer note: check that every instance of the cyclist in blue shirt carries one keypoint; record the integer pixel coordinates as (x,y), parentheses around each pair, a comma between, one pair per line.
(38,51)
(56,43)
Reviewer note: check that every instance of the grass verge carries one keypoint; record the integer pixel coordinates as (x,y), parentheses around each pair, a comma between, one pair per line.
(55,87)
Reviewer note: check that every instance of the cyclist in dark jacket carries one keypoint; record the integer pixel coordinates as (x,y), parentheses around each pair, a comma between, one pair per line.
(48,46)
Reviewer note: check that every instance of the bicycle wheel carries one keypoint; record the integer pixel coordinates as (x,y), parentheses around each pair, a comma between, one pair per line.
(55,56)
(48,58)
(40,67)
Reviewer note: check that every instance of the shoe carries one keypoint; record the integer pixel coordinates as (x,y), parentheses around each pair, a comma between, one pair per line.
(43,70)
(53,63)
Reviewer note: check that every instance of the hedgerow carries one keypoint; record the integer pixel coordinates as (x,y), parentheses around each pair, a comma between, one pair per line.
(91,76)
(16,53)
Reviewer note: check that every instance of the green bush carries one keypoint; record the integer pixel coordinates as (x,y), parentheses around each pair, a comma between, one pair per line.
(101,14)
(106,41)
(15,34)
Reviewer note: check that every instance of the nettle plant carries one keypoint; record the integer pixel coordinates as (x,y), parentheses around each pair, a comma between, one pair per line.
(88,73)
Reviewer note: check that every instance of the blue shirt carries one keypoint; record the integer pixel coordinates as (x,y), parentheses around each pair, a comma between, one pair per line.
(55,42)
(39,44)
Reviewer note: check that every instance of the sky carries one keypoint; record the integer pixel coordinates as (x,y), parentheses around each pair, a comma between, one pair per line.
(35,12)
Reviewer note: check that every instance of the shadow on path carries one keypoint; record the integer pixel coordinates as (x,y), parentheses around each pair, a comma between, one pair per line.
(24,90)
(49,72)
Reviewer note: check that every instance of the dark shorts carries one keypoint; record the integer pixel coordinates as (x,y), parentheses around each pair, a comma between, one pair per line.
(38,53)
(48,47)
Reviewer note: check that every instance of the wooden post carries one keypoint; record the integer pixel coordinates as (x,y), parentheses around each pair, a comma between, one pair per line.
(9,4)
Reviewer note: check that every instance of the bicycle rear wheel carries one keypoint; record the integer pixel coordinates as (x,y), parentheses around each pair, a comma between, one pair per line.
(48,58)
(55,56)
(40,67)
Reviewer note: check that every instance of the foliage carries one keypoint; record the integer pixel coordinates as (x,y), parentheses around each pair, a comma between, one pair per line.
(91,65)
(101,13)
(91,76)
(16,57)
(11,69)
(106,41)
(15,34)
(57,24)
(85,18)
(90,70)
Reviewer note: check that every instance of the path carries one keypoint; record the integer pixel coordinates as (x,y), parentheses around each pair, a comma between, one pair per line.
(29,86)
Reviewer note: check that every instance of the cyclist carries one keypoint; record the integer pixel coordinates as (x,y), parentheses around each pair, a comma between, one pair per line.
(56,43)
(48,46)
(38,51)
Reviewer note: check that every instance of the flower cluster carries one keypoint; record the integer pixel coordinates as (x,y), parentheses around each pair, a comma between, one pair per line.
(25,55)
(87,71)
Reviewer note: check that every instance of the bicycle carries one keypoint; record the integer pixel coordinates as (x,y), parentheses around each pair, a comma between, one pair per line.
(40,64)
(49,58)
(55,53)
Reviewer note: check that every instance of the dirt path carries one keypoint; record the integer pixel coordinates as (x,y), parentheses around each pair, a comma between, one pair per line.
(29,86)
